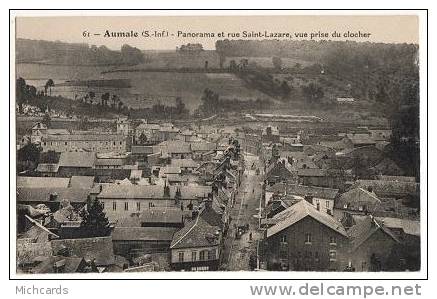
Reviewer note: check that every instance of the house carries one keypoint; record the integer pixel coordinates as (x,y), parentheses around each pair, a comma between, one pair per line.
(202,148)
(52,197)
(95,142)
(133,242)
(321,198)
(374,247)
(42,182)
(76,163)
(121,201)
(359,140)
(186,165)
(387,167)
(270,134)
(39,130)
(319,177)
(176,149)
(305,239)
(279,171)
(390,188)
(47,169)
(197,246)
(110,163)
(357,201)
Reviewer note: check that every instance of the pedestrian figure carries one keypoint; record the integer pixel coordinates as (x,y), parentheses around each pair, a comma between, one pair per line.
(250,236)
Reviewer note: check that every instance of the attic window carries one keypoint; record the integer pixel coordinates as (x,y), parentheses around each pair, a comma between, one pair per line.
(308,238)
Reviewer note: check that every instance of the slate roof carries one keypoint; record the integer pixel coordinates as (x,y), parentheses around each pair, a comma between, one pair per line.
(38,182)
(164,215)
(77,159)
(299,211)
(143,233)
(175,147)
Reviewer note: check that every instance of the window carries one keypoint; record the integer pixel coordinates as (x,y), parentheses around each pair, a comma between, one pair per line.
(194,255)
(332,255)
(120,143)
(284,239)
(103,205)
(332,241)
(181,256)
(126,206)
(327,204)
(202,255)
(65,142)
(211,255)
(138,206)
(308,238)
(114,206)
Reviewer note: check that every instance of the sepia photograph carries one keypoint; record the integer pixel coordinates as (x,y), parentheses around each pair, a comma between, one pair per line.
(254,143)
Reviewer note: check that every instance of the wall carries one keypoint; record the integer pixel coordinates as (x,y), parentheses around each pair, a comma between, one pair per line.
(295,250)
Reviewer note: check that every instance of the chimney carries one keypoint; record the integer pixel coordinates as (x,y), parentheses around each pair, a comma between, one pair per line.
(166,189)
(370,189)
(53,196)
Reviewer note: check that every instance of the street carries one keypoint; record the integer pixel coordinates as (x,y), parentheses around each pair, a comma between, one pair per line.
(238,251)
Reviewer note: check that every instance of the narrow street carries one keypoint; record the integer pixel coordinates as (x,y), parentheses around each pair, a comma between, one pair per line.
(238,251)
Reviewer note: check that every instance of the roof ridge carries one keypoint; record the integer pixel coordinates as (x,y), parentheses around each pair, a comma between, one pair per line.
(191,228)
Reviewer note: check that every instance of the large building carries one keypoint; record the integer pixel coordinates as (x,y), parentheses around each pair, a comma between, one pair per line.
(99,142)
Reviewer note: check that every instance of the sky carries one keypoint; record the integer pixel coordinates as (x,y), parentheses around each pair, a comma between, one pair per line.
(382,28)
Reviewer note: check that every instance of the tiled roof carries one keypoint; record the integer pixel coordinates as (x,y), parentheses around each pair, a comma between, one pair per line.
(39,182)
(43,194)
(109,162)
(98,249)
(389,188)
(47,167)
(164,215)
(203,146)
(143,233)
(85,137)
(410,227)
(82,182)
(357,198)
(182,163)
(77,159)
(153,192)
(364,228)
(300,210)
(142,149)
(197,233)
(312,172)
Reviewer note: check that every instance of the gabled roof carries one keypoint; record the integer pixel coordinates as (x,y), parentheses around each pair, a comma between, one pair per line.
(164,215)
(77,159)
(299,211)
(197,233)
(203,146)
(109,162)
(364,228)
(410,227)
(356,197)
(142,149)
(99,249)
